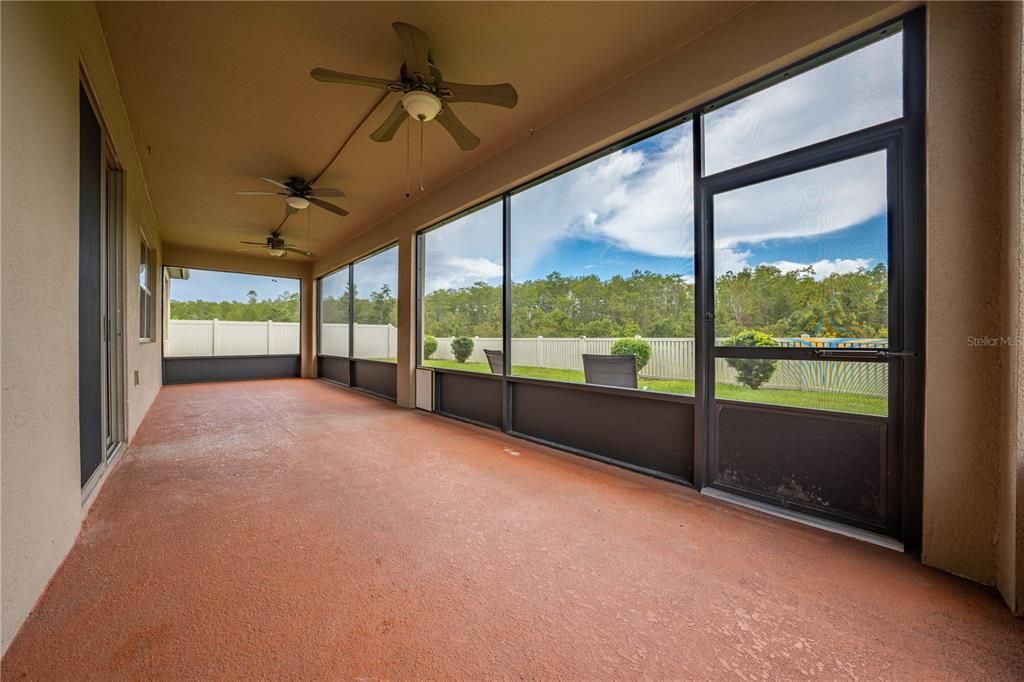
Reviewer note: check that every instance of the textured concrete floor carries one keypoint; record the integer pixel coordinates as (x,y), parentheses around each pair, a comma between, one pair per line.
(292,529)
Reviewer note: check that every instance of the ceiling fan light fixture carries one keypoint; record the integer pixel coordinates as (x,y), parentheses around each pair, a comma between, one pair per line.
(421,105)
(298,202)
(276,253)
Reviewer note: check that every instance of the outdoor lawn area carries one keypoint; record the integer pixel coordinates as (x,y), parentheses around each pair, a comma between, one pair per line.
(838,402)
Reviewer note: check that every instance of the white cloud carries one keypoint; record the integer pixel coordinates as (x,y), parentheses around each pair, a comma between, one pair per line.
(856,91)
(635,199)
(825,267)
(453,272)
(464,251)
(731,260)
(807,204)
(640,199)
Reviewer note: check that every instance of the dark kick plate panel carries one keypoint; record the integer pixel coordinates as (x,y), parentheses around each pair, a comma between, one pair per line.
(376,377)
(335,369)
(477,399)
(831,465)
(641,431)
(196,370)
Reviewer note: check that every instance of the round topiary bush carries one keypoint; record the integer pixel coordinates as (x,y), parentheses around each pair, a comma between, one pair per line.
(636,347)
(462,348)
(752,372)
(429,346)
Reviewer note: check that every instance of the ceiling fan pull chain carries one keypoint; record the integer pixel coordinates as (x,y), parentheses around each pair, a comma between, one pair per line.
(408,157)
(421,154)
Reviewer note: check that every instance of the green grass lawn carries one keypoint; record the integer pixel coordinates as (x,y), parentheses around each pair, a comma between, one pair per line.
(839,402)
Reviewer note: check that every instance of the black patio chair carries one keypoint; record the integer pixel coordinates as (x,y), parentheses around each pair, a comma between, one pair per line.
(610,370)
(496,360)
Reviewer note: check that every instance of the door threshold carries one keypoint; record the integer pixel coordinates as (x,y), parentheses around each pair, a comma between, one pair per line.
(807,520)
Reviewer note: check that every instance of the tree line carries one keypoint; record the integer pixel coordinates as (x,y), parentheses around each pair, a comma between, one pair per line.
(764,298)
(283,308)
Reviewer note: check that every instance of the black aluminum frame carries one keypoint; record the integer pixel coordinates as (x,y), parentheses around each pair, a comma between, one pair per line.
(902,140)
(354,362)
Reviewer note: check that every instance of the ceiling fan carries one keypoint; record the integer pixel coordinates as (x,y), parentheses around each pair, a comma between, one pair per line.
(425,95)
(276,246)
(300,194)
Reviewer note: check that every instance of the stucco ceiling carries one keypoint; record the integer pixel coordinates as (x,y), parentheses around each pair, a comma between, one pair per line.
(218,94)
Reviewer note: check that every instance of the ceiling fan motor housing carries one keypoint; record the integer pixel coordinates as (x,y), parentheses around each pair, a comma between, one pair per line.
(275,246)
(422,105)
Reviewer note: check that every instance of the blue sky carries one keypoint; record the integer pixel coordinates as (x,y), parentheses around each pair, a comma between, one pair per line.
(863,242)
(633,209)
(210,285)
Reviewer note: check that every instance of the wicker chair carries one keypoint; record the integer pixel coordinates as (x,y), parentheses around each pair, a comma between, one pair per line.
(496,360)
(610,370)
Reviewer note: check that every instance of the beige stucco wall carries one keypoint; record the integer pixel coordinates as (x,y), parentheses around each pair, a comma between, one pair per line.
(43,47)
(1010,568)
(970,396)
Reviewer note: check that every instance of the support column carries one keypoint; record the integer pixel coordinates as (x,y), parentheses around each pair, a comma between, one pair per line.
(1010,578)
(308,327)
(407,321)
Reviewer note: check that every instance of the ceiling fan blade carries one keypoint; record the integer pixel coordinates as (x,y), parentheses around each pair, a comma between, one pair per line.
(391,124)
(299,251)
(261,194)
(501,95)
(326,192)
(328,76)
(415,44)
(328,207)
(279,184)
(252,248)
(462,135)
(257,243)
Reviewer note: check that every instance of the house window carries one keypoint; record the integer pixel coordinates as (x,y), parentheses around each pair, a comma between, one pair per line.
(145,291)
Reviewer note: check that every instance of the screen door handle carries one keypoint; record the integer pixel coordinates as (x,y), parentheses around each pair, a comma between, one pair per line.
(859,354)
(887,354)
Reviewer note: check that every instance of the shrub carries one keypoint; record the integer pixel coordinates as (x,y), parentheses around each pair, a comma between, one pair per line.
(636,347)
(752,372)
(462,348)
(429,346)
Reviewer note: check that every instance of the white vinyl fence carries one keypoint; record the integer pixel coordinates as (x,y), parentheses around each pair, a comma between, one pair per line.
(671,358)
(372,340)
(674,359)
(218,337)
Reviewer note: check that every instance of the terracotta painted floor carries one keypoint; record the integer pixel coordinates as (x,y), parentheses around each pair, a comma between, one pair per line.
(293,529)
